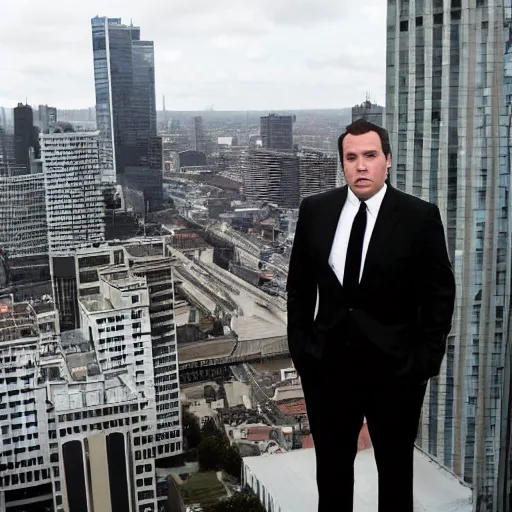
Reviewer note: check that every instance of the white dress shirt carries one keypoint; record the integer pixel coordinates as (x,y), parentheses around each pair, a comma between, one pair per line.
(340,243)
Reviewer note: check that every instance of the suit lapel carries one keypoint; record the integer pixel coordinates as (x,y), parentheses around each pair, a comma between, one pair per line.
(386,221)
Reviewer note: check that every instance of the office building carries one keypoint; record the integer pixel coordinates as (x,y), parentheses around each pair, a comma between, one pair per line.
(78,427)
(124,74)
(25,134)
(147,181)
(370,111)
(47,118)
(273,177)
(148,259)
(317,172)
(23,231)
(23,228)
(27,362)
(277,132)
(448,108)
(7,151)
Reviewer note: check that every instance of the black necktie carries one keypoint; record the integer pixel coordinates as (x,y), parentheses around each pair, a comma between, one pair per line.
(355,249)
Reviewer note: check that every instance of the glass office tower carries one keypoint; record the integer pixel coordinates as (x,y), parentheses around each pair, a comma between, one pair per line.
(124,72)
(448,110)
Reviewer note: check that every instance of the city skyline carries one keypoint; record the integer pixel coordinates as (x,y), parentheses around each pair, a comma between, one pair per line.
(244,57)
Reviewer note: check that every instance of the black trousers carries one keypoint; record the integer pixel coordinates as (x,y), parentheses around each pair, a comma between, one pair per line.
(352,381)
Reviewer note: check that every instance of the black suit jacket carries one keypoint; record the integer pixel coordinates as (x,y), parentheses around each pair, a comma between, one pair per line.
(405,301)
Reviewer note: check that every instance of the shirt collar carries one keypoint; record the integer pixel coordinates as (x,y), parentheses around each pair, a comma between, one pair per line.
(372,204)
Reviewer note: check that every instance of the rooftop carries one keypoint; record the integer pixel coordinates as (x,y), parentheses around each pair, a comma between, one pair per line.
(96,303)
(293,407)
(290,479)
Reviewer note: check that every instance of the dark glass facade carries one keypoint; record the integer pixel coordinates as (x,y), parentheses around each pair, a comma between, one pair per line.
(277,132)
(448,111)
(25,134)
(125,94)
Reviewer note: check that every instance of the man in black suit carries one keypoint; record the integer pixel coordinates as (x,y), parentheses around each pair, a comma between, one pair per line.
(377,258)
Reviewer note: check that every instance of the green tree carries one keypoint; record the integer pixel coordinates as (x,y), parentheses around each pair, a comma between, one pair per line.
(211,453)
(209,428)
(237,503)
(232,462)
(191,430)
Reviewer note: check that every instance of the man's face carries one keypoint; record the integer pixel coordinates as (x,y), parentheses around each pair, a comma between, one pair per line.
(364,163)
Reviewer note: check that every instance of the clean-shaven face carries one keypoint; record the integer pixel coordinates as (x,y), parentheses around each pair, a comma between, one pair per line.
(364,163)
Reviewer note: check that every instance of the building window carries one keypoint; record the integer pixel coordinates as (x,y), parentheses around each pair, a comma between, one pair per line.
(135,299)
(404,26)
(419,21)
(438,19)
(455,15)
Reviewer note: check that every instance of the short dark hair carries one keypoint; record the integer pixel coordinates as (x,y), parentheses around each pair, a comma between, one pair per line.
(360,127)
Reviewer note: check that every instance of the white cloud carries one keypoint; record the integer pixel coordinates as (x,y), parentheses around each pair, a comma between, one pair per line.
(271,54)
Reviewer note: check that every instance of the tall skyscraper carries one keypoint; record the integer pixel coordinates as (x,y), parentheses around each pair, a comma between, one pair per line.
(124,73)
(449,95)
(25,134)
(277,132)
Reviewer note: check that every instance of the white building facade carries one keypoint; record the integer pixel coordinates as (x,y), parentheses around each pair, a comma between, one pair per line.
(74,192)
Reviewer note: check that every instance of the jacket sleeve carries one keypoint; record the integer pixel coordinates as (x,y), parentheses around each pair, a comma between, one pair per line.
(301,288)
(436,292)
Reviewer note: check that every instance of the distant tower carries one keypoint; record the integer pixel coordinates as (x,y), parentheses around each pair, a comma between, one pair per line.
(199,134)
(47,117)
(369,111)
(25,135)
(277,132)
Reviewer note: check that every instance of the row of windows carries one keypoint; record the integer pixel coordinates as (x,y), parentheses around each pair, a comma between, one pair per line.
(106,411)
(100,426)
(23,478)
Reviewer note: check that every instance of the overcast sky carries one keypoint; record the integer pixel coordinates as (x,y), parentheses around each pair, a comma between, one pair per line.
(221,54)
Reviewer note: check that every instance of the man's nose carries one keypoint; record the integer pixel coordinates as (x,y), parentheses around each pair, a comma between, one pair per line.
(361,164)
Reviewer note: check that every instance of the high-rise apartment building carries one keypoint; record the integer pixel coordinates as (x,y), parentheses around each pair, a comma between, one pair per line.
(124,73)
(317,172)
(272,176)
(277,132)
(74,199)
(448,110)
(25,134)
(75,208)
